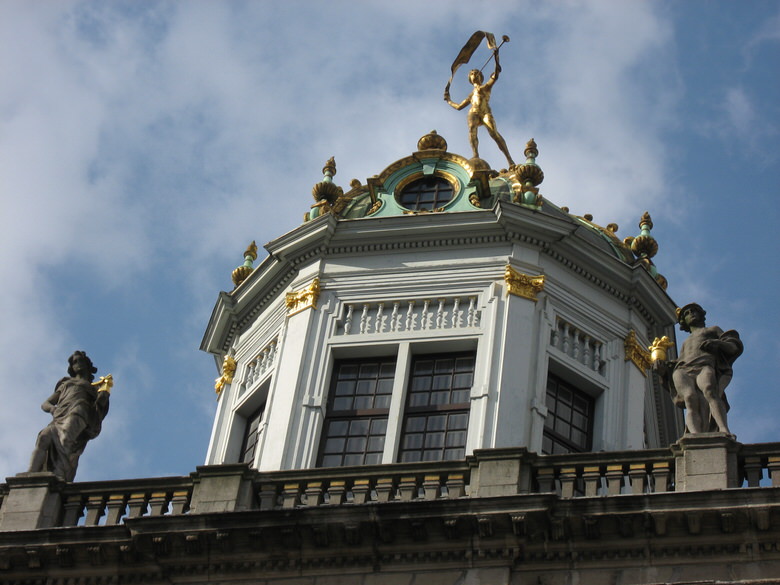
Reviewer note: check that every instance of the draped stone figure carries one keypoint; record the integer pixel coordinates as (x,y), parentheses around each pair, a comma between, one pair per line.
(78,407)
(698,378)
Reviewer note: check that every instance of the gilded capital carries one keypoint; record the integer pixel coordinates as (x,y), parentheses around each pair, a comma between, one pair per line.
(228,371)
(523,285)
(305,298)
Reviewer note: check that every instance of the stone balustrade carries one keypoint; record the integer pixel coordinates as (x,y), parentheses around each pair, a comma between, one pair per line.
(38,500)
(409,315)
(107,503)
(578,345)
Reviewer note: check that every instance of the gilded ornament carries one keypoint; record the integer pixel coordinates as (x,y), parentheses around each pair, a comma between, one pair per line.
(303,299)
(104,383)
(374,207)
(658,349)
(228,371)
(523,285)
(637,353)
(474,200)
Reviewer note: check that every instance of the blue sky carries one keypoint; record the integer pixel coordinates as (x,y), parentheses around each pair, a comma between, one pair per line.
(143,145)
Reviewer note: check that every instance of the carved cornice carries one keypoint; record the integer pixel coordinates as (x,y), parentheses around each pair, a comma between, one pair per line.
(523,285)
(303,299)
(637,353)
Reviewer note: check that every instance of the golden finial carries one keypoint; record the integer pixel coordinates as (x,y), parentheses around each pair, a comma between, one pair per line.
(326,190)
(644,245)
(240,274)
(432,141)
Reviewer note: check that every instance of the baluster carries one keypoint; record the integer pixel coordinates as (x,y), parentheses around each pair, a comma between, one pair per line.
(586,356)
(348,320)
(364,319)
(425,314)
(566,331)
(597,347)
(379,324)
(274,349)
(456,312)
(250,373)
(472,303)
(115,509)
(555,337)
(394,317)
(575,344)
(410,316)
(95,508)
(440,314)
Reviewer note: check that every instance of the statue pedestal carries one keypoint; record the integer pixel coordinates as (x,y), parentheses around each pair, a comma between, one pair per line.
(33,501)
(706,461)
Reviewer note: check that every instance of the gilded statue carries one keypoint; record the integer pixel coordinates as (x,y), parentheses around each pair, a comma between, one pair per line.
(78,407)
(697,379)
(479,113)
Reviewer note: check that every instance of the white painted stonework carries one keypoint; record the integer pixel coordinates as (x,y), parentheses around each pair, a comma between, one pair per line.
(433,283)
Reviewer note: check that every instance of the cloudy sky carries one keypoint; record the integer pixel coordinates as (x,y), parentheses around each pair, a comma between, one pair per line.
(144,144)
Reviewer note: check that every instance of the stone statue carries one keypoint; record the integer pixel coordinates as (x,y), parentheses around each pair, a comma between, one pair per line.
(480,113)
(697,380)
(78,407)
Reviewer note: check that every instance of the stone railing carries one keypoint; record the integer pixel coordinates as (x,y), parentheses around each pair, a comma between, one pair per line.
(696,462)
(361,485)
(409,315)
(605,474)
(262,363)
(578,345)
(759,465)
(108,502)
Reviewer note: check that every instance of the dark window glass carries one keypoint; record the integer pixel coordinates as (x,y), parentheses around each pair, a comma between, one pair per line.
(568,427)
(437,410)
(251,432)
(429,193)
(358,406)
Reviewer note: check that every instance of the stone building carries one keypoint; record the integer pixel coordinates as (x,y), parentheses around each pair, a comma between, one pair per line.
(440,377)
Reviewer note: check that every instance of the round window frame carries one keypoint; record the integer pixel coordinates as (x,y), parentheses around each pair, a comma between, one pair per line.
(453,181)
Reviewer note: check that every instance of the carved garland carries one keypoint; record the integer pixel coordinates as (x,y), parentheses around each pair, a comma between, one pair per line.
(306,298)
(523,285)
(637,353)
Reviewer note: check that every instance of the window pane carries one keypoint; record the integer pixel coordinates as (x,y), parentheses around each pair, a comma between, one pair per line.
(438,382)
(364,385)
(569,420)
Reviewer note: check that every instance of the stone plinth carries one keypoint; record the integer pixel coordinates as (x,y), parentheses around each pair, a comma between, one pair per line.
(706,461)
(221,488)
(500,472)
(33,501)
